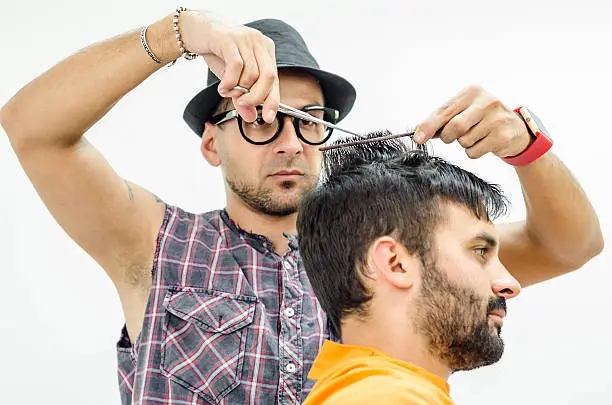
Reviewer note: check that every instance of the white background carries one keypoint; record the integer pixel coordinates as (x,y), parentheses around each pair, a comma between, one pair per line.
(60,315)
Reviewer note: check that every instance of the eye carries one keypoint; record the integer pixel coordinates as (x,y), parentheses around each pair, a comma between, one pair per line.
(481,251)
(305,123)
(259,122)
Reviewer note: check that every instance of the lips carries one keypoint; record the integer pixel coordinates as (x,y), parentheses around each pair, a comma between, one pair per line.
(498,312)
(288,173)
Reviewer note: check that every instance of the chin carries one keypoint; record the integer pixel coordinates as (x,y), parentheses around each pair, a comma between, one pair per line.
(285,201)
(496,329)
(290,192)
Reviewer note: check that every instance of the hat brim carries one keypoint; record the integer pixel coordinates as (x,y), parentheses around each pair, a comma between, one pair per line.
(338,93)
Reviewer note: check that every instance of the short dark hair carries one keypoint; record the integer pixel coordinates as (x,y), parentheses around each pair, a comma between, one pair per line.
(373,190)
(225,104)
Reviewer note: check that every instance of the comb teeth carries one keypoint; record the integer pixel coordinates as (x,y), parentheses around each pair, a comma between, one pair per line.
(366,141)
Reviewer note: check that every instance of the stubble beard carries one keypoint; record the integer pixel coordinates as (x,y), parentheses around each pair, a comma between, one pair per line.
(264,201)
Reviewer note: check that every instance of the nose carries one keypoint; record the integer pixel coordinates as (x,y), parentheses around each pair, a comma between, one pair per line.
(504,284)
(288,142)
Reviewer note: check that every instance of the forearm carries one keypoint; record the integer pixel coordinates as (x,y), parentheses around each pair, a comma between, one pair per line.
(59,106)
(560,217)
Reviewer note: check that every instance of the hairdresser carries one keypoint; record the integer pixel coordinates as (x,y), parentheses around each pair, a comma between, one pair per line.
(217,305)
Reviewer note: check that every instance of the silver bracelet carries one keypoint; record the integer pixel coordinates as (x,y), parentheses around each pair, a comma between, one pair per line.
(175,23)
(143,40)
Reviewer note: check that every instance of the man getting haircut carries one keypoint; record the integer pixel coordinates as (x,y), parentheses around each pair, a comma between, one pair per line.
(402,254)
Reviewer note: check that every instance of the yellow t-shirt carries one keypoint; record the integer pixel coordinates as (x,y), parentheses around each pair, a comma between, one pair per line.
(360,375)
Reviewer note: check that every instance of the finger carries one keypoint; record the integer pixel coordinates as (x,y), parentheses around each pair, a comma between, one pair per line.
(247,112)
(474,135)
(273,99)
(498,135)
(261,91)
(233,93)
(249,75)
(481,148)
(270,106)
(250,70)
(484,128)
(440,117)
(461,124)
(232,71)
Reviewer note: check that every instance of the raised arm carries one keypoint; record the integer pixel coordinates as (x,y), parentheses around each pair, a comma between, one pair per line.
(115,221)
(111,219)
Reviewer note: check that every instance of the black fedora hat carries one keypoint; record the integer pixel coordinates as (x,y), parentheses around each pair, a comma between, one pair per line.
(291,54)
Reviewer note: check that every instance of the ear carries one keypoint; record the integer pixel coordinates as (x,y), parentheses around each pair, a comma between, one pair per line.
(392,262)
(208,146)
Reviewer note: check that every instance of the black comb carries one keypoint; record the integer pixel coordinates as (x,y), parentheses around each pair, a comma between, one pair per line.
(364,141)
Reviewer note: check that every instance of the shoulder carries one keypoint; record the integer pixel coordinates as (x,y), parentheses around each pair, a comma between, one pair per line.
(368,385)
(377,389)
(181,221)
(378,380)
(389,388)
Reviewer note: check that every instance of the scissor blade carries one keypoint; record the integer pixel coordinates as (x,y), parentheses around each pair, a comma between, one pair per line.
(307,117)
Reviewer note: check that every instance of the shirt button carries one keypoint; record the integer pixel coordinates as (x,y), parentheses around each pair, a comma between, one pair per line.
(289,312)
(290,368)
(288,266)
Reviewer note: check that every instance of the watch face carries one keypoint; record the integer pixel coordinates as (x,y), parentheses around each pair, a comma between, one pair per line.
(533,122)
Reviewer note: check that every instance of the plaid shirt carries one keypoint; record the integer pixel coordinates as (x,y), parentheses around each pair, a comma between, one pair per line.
(228,320)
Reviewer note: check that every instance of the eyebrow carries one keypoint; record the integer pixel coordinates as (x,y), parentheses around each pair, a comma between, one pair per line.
(313,105)
(486,238)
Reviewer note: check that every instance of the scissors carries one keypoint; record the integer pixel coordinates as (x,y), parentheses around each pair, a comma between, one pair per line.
(294,112)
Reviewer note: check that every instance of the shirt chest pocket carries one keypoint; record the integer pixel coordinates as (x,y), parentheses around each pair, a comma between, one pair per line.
(204,339)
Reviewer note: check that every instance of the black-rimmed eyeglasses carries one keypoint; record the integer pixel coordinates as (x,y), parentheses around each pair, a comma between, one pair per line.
(260,132)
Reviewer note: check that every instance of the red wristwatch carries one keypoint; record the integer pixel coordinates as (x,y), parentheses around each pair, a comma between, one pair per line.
(540,146)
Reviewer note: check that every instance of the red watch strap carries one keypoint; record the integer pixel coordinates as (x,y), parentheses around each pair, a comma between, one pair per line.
(539,147)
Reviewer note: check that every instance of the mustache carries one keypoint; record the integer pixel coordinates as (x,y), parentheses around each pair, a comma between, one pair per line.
(497,303)
(289,163)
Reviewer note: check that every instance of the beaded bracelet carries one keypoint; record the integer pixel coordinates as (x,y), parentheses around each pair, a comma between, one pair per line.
(175,22)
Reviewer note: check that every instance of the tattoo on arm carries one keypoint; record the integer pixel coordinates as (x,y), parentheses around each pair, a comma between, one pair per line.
(130,192)
(157,199)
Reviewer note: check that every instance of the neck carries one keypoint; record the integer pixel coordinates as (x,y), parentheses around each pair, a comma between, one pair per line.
(394,337)
(272,227)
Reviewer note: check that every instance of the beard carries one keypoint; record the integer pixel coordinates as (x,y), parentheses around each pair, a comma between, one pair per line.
(454,320)
(264,201)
